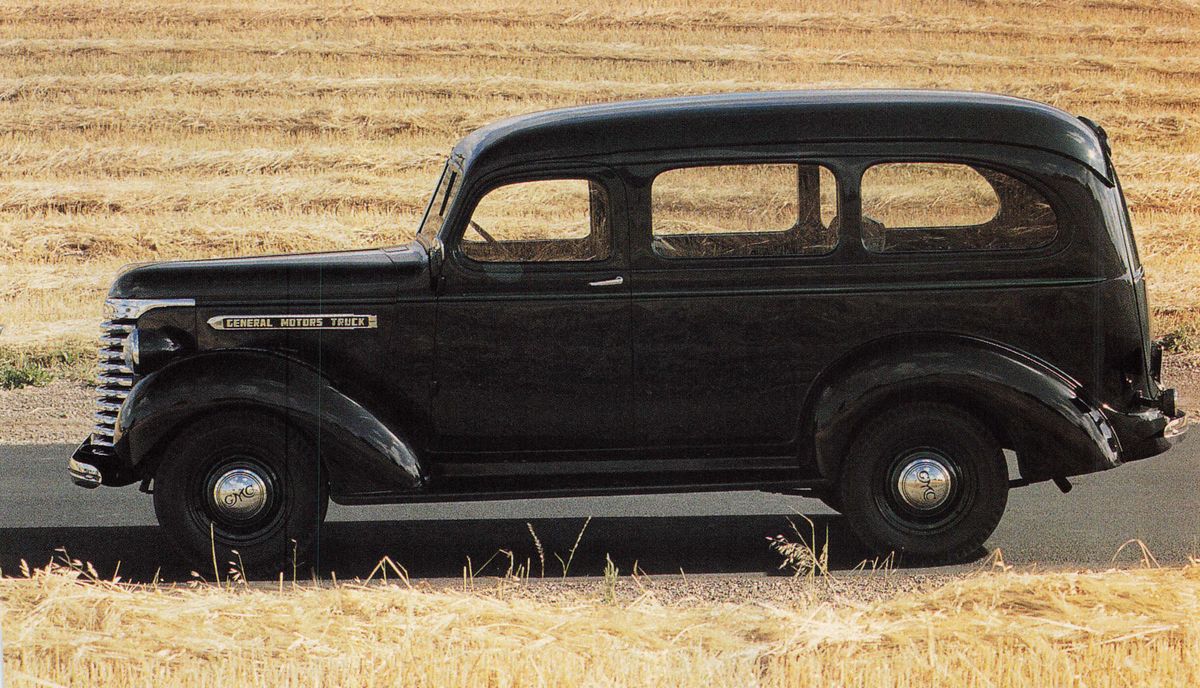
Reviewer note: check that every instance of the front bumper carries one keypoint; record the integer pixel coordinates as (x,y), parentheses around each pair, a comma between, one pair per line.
(92,465)
(84,474)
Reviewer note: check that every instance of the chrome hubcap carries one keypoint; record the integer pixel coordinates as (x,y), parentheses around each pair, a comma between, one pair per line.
(925,482)
(239,494)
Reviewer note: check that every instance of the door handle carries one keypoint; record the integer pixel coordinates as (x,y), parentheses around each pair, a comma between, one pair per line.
(614,282)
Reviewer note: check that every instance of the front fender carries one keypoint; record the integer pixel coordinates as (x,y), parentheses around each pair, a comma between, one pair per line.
(1030,406)
(361,454)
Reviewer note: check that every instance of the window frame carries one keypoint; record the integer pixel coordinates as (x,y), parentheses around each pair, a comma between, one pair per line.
(659,170)
(472,192)
(1055,243)
(1062,181)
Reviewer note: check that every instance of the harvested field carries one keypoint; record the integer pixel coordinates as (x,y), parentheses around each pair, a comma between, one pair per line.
(1115,628)
(133,131)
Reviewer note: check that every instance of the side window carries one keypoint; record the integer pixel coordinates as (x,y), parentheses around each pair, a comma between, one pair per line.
(540,221)
(923,206)
(723,211)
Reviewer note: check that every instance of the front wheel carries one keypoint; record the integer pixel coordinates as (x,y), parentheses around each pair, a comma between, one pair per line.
(245,488)
(926,480)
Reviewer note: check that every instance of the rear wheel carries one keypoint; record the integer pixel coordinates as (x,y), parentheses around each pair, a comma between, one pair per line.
(248,485)
(924,480)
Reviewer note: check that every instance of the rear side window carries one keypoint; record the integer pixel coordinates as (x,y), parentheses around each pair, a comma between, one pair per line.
(922,206)
(725,211)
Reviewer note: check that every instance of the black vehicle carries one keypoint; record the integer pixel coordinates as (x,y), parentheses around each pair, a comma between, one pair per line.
(863,295)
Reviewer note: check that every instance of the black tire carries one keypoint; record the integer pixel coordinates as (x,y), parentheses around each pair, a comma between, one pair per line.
(887,521)
(282,534)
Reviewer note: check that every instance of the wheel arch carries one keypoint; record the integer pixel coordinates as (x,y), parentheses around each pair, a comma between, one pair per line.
(360,453)
(1030,406)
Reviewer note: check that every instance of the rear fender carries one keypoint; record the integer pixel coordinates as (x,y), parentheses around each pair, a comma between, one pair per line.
(360,453)
(1030,406)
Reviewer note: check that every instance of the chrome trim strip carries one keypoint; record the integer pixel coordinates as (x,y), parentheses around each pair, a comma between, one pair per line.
(219,322)
(132,309)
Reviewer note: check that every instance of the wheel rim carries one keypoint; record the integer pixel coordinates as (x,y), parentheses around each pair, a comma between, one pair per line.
(925,489)
(241,496)
(925,483)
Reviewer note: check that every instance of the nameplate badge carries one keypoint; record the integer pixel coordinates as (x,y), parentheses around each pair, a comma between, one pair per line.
(321,321)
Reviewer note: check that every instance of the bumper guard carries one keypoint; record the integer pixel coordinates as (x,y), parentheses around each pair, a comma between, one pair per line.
(84,474)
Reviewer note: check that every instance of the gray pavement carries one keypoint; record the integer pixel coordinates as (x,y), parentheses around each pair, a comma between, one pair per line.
(1157,501)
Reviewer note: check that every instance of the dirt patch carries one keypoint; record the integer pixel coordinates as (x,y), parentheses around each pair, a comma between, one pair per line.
(61,412)
(1183,373)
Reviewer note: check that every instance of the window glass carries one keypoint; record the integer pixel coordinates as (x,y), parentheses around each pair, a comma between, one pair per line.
(951,207)
(538,221)
(723,211)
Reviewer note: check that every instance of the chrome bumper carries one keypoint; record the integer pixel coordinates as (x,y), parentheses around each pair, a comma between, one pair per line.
(1176,429)
(84,474)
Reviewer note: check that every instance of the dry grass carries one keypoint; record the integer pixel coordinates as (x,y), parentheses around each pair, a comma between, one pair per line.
(1116,628)
(134,131)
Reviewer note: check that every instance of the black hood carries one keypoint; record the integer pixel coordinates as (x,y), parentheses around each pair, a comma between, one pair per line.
(366,275)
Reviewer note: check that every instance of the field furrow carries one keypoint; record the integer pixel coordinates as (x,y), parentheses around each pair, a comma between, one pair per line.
(641,18)
(32,160)
(177,118)
(54,88)
(326,193)
(1178,66)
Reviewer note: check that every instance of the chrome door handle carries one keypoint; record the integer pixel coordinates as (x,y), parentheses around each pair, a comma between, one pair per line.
(614,282)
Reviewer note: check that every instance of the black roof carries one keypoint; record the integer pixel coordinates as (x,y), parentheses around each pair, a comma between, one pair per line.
(742,119)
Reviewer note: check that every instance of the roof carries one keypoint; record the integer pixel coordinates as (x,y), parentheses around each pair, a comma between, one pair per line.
(744,119)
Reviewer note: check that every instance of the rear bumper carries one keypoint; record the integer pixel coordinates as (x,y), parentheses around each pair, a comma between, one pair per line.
(91,466)
(1151,437)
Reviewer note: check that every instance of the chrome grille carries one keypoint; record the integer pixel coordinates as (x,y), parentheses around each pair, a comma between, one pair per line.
(113,381)
(115,378)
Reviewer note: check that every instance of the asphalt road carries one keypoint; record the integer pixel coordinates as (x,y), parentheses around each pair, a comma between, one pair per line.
(1157,501)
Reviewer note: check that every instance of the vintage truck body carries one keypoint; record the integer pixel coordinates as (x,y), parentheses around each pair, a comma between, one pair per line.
(880,364)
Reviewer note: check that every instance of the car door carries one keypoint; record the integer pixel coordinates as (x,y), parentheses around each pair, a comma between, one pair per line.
(723,343)
(533,323)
